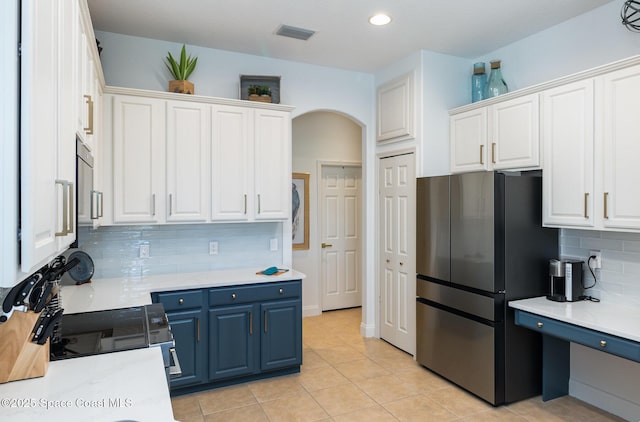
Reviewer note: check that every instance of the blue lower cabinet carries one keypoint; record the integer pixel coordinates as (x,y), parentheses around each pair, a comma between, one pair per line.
(227,335)
(233,341)
(281,336)
(186,327)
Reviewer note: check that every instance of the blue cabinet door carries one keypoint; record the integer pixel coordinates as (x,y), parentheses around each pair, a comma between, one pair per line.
(233,341)
(281,337)
(186,326)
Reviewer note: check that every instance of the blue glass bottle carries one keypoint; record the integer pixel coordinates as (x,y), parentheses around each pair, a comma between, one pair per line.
(478,82)
(496,85)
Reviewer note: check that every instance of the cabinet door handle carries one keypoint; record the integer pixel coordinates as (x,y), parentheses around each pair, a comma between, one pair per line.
(101,199)
(259,207)
(245,204)
(481,154)
(266,325)
(606,199)
(89,129)
(198,328)
(170,205)
(65,200)
(493,152)
(71,222)
(250,323)
(93,210)
(153,204)
(586,203)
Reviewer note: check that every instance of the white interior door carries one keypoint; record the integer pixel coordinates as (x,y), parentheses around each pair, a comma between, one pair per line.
(340,235)
(397,251)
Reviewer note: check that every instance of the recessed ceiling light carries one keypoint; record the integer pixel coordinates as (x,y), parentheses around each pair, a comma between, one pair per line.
(379,19)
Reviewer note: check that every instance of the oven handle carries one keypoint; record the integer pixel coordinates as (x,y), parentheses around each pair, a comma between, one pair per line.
(174,370)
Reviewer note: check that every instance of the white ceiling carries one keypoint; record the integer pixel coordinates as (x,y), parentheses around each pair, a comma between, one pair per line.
(344,38)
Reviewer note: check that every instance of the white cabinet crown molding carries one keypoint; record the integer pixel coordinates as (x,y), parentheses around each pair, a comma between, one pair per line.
(195,98)
(585,74)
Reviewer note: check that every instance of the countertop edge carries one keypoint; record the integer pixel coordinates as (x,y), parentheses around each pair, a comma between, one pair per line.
(609,318)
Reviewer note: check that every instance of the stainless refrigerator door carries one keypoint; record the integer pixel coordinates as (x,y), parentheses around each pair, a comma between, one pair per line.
(472,230)
(460,349)
(432,225)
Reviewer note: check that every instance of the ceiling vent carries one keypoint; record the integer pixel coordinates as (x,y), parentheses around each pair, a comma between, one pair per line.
(293,32)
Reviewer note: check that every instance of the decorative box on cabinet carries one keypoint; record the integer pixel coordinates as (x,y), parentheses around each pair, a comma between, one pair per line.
(396,111)
(504,135)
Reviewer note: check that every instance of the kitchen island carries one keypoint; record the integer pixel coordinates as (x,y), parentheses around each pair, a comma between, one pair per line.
(129,385)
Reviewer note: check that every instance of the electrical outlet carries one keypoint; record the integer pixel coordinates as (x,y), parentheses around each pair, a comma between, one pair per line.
(144,250)
(273,244)
(213,248)
(597,262)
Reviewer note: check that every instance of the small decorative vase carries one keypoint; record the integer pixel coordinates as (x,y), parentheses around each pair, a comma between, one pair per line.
(182,87)
(496,85)
(478,82)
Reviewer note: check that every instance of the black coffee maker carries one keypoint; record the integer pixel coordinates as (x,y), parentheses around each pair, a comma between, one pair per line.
(565,280)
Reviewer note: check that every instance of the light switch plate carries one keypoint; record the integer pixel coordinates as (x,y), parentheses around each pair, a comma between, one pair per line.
(213,247)
(274,244)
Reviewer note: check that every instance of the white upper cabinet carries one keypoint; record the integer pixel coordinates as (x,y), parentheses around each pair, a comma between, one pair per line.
(396,111)
(231,162)
(621,149)
(188,163)
(568,147)
(138,159)
(501,136)
(272,164)
(47,139)
(514,140)
(468,141)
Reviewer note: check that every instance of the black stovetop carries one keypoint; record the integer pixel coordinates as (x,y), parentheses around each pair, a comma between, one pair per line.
(113,330)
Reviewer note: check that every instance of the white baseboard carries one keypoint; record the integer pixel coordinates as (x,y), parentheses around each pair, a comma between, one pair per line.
(308,311)
(367,330)
(598,398)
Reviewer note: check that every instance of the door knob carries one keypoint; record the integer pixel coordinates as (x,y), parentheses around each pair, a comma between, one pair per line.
(326,245)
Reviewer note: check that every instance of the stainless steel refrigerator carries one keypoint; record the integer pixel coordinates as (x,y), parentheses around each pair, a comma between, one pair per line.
(480,243)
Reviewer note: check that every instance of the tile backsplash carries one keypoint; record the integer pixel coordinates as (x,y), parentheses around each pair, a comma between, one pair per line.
(619,277)
(180,248)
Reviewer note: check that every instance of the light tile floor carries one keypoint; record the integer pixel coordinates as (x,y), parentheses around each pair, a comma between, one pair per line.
(345,377)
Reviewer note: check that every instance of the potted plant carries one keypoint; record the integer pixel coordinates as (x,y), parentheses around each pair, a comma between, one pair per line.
(260,93)
(181,71)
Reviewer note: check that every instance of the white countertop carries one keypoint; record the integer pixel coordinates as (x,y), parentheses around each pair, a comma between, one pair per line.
(123,292)
(136,377)
(607,317)
(111,387)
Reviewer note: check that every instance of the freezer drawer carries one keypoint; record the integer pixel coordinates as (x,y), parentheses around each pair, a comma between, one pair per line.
(472,303)
(460,349)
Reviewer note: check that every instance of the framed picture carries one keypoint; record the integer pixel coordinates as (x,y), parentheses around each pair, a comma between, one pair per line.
(300,211)
(264,84)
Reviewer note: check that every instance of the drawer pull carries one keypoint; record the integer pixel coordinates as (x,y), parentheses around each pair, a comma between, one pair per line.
(586,204)
(603,343)
(181,301)
(539,325)
(233,296)
(281,291)
(481,154)
(493,153)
